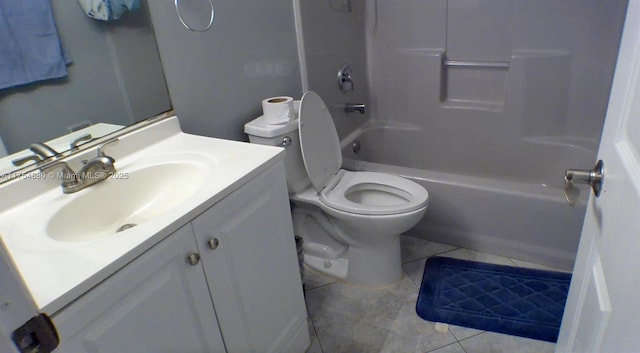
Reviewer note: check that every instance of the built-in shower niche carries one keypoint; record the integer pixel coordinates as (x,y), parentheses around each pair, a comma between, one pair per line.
(474,84)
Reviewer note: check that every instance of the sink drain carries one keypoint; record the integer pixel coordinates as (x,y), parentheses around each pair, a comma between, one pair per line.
(125,227)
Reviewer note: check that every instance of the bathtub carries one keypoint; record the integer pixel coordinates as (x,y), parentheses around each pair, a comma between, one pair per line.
(513,208)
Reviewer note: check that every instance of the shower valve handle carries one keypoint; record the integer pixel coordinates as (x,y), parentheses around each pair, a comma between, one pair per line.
(345,82)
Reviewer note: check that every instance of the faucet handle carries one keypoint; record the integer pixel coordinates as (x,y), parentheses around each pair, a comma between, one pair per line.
(69,177)
(104,145)
(78,141)
(20,161)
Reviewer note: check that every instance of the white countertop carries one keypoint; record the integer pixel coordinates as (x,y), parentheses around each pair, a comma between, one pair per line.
(57,272)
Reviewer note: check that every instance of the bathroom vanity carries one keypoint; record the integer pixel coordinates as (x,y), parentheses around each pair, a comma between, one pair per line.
(207,264)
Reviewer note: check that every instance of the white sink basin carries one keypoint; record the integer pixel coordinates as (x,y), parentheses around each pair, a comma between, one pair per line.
(119,204)
(65,244)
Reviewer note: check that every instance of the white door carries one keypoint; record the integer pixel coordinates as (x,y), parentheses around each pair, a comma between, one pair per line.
(603,307)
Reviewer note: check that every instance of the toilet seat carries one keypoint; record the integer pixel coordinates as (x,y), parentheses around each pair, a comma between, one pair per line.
(370,193)
(363,193)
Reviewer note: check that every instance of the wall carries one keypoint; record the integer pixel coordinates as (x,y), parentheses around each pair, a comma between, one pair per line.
(116,77)
(218,78)
(331,36)
(495,122)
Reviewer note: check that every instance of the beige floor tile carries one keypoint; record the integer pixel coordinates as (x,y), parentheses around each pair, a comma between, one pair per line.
(452,348)
(526,264)
(352,318)
(413,248)
(472,255)
(491,342)
(414,270)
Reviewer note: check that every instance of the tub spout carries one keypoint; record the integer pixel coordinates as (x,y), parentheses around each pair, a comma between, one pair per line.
(354,107)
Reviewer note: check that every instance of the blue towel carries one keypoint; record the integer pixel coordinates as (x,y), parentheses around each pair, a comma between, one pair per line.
(108,10)
(30,49)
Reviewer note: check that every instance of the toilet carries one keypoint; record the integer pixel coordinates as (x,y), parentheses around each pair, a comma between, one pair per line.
(350,221)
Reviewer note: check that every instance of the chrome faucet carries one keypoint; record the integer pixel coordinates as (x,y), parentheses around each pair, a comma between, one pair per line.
(43,150)
(355,107)
(20,161)
(93,171)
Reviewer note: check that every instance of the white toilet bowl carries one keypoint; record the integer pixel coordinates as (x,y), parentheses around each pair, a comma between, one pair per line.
(350,221)
(364,215)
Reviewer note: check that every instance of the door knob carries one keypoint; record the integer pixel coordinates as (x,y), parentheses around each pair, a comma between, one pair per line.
(593,177)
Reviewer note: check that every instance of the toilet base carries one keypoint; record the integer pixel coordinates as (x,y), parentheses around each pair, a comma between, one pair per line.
(374,267)
(361,255)
(337,268)
(378,265)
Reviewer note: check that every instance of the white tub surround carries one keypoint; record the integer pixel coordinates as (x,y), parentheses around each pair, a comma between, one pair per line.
(495,209)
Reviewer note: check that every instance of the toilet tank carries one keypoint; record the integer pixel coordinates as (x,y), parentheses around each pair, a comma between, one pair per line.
(273,135)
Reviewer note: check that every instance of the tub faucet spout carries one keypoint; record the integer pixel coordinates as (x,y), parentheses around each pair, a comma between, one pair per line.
(355,107)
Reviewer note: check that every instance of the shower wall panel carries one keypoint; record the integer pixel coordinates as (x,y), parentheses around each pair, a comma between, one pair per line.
(550,88)
(479,30)
(333,34)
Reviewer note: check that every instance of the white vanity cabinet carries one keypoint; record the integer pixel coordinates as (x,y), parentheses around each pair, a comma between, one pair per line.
(248,251)
(241,292)
(157,303)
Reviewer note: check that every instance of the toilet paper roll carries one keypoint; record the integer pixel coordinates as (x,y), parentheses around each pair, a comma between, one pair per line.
(278,110)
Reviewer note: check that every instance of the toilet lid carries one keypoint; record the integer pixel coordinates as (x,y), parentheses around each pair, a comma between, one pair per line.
(318,140)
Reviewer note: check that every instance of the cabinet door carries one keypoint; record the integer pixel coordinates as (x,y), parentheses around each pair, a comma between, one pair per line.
(252,269)
(158,303)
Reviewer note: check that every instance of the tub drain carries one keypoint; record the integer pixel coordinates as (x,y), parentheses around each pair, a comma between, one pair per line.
(125,227)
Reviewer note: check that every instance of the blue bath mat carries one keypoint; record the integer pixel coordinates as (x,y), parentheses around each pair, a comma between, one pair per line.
(511,300)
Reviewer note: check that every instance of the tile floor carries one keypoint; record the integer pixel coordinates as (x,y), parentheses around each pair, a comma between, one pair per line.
(352,319)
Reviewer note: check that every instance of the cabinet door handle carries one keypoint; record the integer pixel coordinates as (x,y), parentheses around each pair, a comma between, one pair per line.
(213,243)
(193,258)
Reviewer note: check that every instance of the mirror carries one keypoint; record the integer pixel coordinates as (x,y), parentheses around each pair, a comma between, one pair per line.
(115,79)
